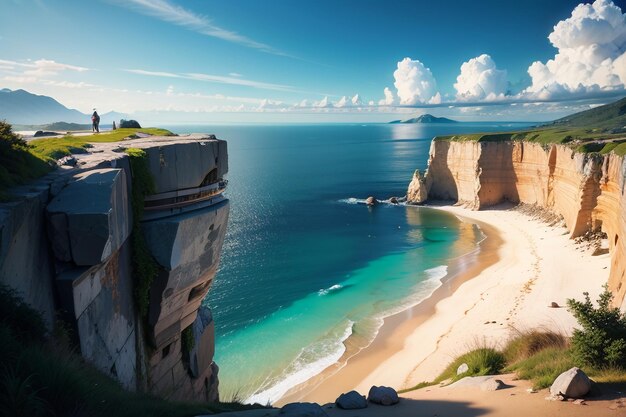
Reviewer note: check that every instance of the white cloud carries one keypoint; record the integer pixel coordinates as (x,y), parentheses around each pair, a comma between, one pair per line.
(323,103)
(591,53)
(414,82)
(177,15)
(354,101)
(39,68)
(389,98)
(480,80)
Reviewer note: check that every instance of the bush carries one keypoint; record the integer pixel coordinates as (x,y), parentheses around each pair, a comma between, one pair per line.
(543,367)
(602,340)
(129,124)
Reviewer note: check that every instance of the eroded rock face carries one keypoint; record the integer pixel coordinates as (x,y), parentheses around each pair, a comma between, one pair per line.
(587,190)
(418,189)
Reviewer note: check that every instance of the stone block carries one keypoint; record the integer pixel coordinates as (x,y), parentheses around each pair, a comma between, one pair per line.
(97,213)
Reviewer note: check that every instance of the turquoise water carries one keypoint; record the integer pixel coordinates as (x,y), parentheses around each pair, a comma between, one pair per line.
(306,269)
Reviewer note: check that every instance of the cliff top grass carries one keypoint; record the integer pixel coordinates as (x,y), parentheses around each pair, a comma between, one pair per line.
(601,130)
(22,161)
(55,148)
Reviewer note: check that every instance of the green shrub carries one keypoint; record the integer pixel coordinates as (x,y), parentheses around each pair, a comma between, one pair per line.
(602,340)
(481,361)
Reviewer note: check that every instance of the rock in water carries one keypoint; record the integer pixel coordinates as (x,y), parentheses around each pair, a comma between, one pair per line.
(303,410)
(418,190)
(383,395)
(351,401)
(573,384)
(393,200)
(371,201)
(462,369)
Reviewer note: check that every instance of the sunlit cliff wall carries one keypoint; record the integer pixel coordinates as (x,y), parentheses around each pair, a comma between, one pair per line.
(587,190)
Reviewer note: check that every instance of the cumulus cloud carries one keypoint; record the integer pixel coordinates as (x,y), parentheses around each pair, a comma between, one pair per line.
(591,55)
(389,98)
(354,101)
(480,80)
(323,103)
(415,83)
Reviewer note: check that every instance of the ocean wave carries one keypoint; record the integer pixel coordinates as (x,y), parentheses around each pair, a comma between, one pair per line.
(325,353)
(332,288)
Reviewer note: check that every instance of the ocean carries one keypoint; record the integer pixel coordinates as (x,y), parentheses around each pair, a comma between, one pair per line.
(306,270)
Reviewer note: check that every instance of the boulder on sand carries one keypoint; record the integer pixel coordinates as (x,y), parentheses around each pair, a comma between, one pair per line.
(303,410)
(371,201)
(351,401)
(383,395)
(572,384)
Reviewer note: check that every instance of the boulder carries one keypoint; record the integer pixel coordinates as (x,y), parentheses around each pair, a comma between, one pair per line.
(393,200)
(492,385)
(43,133)
(383,395)
(371,201)
(68,161)
(463,368)
(129,124)
(303,410)
(573,384)
(351,401)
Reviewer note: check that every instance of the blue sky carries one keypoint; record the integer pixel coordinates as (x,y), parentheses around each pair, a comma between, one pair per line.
(242,60)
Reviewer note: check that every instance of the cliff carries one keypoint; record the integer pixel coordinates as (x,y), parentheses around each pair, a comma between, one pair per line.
(71,248)
(586,189)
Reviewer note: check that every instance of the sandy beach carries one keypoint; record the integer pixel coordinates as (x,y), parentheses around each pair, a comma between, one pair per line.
(524,265)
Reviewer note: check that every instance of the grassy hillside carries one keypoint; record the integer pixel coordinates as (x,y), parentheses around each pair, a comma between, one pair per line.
(601,130)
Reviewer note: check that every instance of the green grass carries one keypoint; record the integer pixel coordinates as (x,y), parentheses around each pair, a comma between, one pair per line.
(537,355)
(55,148)
(40,375)
(22,161)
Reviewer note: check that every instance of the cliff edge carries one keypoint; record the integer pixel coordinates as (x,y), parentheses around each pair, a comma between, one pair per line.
(586,189)
(127,267)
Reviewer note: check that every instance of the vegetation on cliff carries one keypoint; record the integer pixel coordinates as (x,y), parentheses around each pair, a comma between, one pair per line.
(41,375)
(22,161)
(18,163)
(602,129)
(145,268)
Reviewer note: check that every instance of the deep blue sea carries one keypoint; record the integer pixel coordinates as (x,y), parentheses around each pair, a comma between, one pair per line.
(304,266)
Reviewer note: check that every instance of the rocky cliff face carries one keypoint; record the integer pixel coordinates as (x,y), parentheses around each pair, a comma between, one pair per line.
(66,246)
(586,189)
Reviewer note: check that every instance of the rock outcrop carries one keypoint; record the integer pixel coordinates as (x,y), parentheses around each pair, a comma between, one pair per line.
(418,189)
(587,190)
(66,244)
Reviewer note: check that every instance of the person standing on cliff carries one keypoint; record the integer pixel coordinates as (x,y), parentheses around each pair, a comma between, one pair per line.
(95,122)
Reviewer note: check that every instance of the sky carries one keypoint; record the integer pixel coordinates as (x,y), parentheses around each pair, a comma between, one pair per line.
(317,61)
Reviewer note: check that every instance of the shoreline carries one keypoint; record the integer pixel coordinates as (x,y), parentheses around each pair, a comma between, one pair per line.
(473,306)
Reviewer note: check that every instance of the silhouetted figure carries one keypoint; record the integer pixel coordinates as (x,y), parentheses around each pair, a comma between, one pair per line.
(95,121)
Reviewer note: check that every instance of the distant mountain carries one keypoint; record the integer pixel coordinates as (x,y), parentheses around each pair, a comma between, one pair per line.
(22,107)
(609,116)
(113,116)
(426,118)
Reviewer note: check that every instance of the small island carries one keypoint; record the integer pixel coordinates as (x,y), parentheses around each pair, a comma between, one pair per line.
(426,118)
